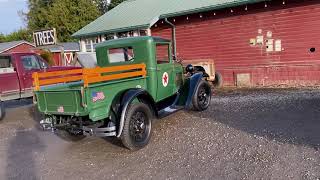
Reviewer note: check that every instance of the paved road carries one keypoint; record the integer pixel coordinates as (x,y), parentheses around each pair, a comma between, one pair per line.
(265,134)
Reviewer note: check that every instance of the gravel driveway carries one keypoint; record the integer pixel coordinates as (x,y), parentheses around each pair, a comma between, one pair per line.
(245,134)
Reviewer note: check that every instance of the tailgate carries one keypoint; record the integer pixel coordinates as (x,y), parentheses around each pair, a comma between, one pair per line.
(61,102)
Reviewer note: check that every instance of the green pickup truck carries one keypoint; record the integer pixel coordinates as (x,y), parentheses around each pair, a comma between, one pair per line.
(136,81)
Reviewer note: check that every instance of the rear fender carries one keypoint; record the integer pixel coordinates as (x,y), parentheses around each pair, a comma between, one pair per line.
(193,84)
(128,98)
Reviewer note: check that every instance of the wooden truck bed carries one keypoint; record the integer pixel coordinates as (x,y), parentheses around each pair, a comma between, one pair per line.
(88,76)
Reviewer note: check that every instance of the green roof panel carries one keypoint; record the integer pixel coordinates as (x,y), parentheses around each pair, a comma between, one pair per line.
(135,14)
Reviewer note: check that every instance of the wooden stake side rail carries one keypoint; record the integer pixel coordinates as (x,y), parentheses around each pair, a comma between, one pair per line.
(88,76)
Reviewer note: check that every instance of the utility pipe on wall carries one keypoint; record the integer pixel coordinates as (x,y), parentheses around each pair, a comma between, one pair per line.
(173,38)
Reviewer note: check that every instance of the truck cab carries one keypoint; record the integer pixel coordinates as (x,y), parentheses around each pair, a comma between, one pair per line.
(136,80)
(164,74)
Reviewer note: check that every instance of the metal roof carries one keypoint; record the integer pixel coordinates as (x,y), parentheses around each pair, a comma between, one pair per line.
(9,45)
(135,14)
(67,47)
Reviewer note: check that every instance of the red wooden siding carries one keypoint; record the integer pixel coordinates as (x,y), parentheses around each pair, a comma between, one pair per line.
(225,38)
(57,59)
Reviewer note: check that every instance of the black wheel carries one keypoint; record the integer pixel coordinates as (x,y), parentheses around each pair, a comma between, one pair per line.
(137,126)
(202,97)
(218,81)
(2,110)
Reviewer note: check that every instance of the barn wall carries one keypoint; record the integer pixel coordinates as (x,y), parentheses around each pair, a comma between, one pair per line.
(21,48)
(225,35)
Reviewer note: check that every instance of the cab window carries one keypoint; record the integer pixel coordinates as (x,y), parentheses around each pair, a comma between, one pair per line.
(162,53)
(5,62)
(42,63)
(30,62)
(123,54)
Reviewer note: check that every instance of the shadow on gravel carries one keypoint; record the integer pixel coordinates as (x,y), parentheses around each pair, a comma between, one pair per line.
(114,141)
(18,103)
(21,154)
(285,116)
(36,116)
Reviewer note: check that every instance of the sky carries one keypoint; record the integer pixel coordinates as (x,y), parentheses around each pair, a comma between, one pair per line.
(9,18)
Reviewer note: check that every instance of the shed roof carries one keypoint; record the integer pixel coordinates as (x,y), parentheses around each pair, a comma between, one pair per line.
(135,14)
(9,45)
(67,47)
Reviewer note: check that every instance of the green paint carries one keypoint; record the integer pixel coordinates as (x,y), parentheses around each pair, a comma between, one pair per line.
(51,99)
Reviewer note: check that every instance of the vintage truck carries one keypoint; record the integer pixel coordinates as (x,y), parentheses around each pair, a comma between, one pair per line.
(16,75)
(137,81)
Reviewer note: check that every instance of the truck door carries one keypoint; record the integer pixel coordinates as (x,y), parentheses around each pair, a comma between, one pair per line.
(164,71)
(9,82)
(30,64)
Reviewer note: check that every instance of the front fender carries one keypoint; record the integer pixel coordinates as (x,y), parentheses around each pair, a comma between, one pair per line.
(127,98)
(193,84)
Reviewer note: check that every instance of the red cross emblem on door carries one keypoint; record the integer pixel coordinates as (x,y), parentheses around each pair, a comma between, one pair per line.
(165,79)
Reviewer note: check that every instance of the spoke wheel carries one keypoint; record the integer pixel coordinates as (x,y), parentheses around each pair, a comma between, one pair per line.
(202,97)
(137,128)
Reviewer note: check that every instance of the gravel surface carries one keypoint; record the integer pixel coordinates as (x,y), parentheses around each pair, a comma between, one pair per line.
(245,134)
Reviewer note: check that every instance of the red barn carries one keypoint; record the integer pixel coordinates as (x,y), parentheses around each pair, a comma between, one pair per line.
(16,46)
(252,42)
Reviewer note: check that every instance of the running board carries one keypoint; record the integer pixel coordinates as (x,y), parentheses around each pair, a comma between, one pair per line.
(169,110)
(174,107)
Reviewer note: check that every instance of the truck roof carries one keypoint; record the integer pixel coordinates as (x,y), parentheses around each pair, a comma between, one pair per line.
(14,53)
(130,40)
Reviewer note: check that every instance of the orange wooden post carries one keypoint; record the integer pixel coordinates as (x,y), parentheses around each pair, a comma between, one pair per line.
(36,83)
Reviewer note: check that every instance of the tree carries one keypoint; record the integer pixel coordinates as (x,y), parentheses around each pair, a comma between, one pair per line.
(67,16)
(36,16)
(22,34)
(102,5)
(106,5)
(114,3)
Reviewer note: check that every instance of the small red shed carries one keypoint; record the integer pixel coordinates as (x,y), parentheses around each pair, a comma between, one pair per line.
(16,46)
(64,53)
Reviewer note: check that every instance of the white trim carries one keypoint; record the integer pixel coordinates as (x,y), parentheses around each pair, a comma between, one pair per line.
(24,42)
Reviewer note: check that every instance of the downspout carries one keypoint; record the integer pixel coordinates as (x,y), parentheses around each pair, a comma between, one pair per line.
(173,38)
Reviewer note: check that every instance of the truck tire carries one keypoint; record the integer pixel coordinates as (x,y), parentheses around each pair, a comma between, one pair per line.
(202,97)
(218,81)
(137,126)
(2,110)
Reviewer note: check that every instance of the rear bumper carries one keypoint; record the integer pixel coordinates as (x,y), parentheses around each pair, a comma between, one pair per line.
(99,132)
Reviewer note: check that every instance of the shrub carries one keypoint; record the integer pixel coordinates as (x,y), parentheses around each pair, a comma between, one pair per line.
(48,56)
